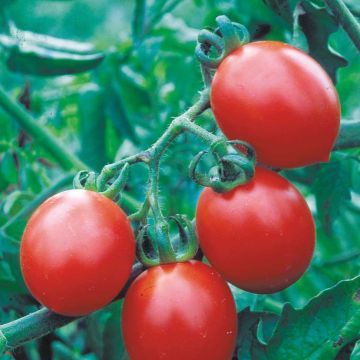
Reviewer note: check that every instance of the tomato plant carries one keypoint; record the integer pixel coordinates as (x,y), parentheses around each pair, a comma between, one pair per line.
(121,101)
(259,236)
(179,311)
(76,252)
(278,99)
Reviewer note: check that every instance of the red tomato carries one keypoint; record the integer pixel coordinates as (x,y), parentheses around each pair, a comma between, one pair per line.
(77,252)
(259,236)
(278,99)
(179,311)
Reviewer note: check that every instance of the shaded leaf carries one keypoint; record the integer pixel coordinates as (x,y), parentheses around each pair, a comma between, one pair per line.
(317,25)
(319,330)
(248,327)
(9,168)
(114,347)
(331,189)
(92,126)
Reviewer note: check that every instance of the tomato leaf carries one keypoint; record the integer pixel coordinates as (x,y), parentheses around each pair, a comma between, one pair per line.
(331,189)
(248,322)
(319,330)
(317,25)
(104,333)
(92,126)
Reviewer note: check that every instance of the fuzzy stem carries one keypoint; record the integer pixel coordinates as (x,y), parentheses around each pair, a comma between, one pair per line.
(44,321)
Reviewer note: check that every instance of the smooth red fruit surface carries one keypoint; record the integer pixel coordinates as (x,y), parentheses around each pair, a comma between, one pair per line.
(77,252)
(179,311)
(278,99)
(259,236)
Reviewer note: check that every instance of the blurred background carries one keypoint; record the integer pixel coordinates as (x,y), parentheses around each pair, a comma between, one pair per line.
(122,104)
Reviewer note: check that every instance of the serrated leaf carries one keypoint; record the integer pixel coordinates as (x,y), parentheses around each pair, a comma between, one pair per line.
(319,330)
(243,299)
(331,190)
(317,25)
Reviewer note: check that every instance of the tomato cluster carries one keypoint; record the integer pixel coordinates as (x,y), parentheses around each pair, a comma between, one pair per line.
(78,247)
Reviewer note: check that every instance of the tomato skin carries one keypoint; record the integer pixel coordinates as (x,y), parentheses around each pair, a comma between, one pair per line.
(278,99)
(179,311)
(77,252)
(259,236)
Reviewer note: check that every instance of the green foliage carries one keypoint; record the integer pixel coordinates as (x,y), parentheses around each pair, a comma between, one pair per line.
(317,331)
(129,69)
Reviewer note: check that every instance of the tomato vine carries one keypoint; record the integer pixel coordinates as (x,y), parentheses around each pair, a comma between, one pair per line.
(235,163)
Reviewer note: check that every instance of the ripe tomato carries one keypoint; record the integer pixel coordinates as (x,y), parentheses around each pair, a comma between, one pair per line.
(259,236)
(278,99)
(179,311)
(77,252)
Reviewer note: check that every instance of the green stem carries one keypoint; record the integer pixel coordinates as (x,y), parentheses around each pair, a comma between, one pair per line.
(346,19)
(142,212)
(152,156)
(44,321)
(66,159)
(177,126)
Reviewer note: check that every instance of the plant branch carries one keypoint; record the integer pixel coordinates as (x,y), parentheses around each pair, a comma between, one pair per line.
(346,19)
(152,156)
(44,321)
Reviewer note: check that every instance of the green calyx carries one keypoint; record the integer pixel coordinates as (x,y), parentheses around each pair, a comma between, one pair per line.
(156,247)
(235,163)
(227,37)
